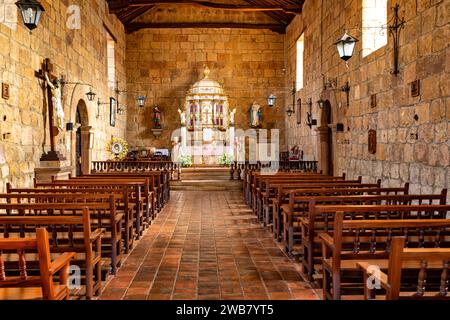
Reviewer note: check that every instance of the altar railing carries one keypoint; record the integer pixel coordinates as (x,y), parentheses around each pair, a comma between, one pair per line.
(137,166)
(238,169)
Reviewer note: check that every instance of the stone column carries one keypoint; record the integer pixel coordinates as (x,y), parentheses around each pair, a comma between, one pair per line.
(322,136)
(86,150)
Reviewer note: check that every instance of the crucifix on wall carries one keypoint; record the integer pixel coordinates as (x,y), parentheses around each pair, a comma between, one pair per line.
(53,89)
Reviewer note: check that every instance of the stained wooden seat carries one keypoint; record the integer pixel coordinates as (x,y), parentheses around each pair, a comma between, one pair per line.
(35,287)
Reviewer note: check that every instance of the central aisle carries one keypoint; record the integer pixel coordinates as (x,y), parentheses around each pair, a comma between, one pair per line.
(207,245)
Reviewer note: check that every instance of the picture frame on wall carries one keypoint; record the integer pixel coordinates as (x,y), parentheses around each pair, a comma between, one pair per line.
(112,111)
(299,111)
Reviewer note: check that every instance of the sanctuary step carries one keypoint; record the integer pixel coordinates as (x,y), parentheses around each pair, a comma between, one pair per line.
(206,178)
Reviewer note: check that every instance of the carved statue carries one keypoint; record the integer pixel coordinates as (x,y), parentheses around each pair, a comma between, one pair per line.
(232,114)
(255,115)
(182,117)
(57,101)
(156,118)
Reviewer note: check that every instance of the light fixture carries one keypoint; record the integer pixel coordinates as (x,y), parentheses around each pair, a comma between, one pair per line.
(121,110)
(346,46)
(321,103)
(31,11)
(141,101)
(271,100)
(394,31)
(90,95)
(289,112)
(346,88)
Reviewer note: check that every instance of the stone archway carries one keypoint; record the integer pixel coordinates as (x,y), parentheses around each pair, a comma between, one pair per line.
(81,153)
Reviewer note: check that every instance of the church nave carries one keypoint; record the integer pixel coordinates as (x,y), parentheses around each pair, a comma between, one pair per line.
(207,245)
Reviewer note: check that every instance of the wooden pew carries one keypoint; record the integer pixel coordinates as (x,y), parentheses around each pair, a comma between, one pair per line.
(367,232)
(128,209)
(25,287)
(113,227)
(135,185)
(69,233)
(252,179)
(268,186)
(277,192)
(283,192)
(426,260)
(298,207)
(159,183)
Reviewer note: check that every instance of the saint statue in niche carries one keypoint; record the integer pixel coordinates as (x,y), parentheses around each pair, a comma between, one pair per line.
(182,117)
(156,118)
(57,101)
(232,114)
(255,115)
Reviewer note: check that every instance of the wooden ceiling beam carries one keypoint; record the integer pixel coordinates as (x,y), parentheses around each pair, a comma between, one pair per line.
(116,6)
(135,26)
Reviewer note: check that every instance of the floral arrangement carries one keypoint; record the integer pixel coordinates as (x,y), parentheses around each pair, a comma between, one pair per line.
(226,159)
(185,161)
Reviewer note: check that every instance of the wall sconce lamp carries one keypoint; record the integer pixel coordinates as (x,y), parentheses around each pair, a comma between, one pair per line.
(345,46)
(99,103)
(346,88)
(290,112)
(121,109)
(271,100)
(394,31)
(321,103)
(90,95)
(31,11)
(141,101)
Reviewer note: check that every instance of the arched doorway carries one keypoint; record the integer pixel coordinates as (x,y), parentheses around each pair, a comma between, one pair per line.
(326,152)
(82,135)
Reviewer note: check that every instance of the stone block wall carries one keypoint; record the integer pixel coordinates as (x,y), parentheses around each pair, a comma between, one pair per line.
(164,63)
(410,149)
(79,55)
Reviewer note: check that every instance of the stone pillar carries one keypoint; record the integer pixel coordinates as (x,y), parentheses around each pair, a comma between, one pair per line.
(323,148)
(86,150)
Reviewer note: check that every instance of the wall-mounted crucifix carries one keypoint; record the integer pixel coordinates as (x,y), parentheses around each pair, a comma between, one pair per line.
(53,89)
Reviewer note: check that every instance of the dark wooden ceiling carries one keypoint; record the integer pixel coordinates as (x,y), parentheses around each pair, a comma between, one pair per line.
(281,13)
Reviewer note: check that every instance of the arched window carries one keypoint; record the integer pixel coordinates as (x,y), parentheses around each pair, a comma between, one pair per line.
(299,62)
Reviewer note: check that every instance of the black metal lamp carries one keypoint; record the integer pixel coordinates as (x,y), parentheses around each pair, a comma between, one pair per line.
(271,100)
(31,11)
(90,95)
(141,101)
(346,46)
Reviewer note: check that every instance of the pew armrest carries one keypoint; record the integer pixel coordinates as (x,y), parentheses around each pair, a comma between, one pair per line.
(98,233)
(61,262)
(327,240)
(379,276)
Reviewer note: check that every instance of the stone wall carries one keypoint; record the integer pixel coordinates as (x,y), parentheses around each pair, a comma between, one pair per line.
(164,63)
(79,55)
(409,150)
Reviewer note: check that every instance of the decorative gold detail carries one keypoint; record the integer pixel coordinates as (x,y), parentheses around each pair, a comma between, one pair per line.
(206,72)
(118,148)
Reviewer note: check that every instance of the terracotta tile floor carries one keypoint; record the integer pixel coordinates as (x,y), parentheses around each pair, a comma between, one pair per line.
(207,245)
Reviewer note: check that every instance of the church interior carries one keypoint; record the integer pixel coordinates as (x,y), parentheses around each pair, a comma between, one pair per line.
(224,150)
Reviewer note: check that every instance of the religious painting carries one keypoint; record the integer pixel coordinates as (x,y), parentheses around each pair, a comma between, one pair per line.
(372,141)
(299,111)
(112,111)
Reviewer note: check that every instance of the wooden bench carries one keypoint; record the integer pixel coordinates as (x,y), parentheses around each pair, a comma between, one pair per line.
(71,233)
(25,287)
(426,260)
(141,219)
(104,215)
(298,207)
(367,232)
(277,193)
(270,186)
(129,210)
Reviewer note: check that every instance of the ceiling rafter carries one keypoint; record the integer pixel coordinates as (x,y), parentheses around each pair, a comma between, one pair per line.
(280,11)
